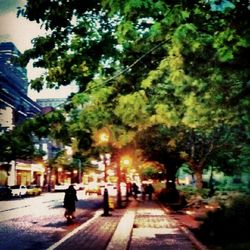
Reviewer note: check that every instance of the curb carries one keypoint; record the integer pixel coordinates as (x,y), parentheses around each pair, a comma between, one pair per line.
(198,245)
(194,240)
(122,234)
(70,234)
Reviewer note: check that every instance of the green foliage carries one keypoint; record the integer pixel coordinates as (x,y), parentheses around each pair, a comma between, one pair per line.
(150,171)
(175,74)
(18,144)
(131,109)
(190,192)
(228,224)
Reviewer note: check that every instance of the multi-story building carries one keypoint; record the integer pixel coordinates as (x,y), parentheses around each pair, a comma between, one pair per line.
(15,107)
(50,102)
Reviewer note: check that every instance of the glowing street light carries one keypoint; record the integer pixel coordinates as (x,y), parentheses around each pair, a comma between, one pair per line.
(104,138)
(126,161)
(106,161)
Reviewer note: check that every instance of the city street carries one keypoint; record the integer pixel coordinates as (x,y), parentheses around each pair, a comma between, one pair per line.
(124,125)
(38,222)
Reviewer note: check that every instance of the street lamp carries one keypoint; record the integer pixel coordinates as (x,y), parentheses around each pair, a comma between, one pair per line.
(49,179)
(70,152)
(106,161)
(59,171)
(125,162)
(79,170)
(102,138)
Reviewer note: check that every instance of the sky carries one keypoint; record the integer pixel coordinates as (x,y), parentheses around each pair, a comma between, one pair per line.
(21,31)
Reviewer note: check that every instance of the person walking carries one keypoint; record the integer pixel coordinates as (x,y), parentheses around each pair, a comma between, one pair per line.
(70,198)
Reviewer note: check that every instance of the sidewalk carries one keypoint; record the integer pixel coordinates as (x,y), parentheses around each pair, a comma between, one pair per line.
(142,225)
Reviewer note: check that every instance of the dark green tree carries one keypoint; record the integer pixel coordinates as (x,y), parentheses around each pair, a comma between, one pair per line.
(142,64)
(18,144)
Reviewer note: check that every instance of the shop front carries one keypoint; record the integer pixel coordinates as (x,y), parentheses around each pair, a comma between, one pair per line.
(25,173)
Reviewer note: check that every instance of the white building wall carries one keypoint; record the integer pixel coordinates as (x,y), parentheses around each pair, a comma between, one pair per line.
(6,118)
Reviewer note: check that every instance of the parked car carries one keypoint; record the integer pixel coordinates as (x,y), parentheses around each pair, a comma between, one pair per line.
(5,192)
(33,190)
(18,190)
(93,188)
(112,188)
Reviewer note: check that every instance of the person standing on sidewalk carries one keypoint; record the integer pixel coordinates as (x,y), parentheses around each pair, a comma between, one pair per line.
(135,190)
(150,190)
(143,191)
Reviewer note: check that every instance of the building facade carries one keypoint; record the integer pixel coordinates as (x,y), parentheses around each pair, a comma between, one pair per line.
(50,102)
(16,107)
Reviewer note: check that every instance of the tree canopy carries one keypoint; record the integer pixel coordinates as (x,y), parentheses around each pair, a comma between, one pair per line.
(182,65)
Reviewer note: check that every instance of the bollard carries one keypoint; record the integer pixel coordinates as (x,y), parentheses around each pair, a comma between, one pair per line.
(106,203)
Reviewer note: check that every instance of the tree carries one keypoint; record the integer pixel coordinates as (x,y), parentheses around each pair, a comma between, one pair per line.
(158,145)
(182,65)
(18,144)
(79,41)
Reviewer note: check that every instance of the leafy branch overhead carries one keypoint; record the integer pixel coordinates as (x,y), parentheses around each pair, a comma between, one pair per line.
(179,66)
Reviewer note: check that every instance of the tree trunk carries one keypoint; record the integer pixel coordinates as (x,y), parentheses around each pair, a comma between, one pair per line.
(172,194)
(170,180)
(198,179)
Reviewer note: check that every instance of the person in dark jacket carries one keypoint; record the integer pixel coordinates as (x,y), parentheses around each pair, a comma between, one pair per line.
(69,199)
(149,191)
(135,190)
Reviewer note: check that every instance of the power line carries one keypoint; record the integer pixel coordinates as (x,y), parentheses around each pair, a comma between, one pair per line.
(130,66)
(121,72)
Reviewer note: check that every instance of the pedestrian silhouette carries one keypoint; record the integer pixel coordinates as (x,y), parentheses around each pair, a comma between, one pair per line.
(143,191)
(149,191)
(135,190)
(69,200)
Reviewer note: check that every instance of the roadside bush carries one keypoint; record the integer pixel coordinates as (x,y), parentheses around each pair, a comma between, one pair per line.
(234,187)
(190,191)
(229,223)
(173,198)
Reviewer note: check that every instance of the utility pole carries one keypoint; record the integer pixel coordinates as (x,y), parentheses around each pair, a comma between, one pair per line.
(79,170)
(119,197)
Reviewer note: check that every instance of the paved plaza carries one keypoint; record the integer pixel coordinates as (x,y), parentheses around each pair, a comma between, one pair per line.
(141,225)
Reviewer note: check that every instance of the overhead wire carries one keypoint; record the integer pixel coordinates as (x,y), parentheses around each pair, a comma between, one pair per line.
(121,72)
(130,66)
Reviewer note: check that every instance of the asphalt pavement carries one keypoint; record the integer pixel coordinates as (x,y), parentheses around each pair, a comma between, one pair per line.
(140,225)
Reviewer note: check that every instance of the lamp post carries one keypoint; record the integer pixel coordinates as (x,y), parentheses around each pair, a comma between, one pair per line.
(59,171)
(119,196)
(79,170)
(49,179)
(103,139)
(124,162)
(103,158)
(106,161)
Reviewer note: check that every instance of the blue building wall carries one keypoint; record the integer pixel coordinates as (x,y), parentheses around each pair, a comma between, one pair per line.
(14,85)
